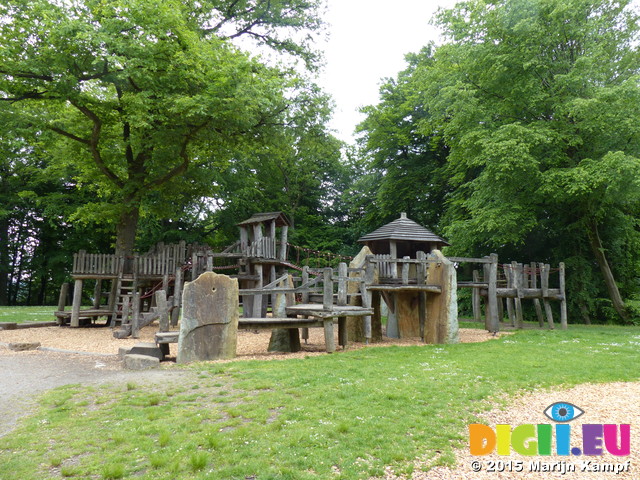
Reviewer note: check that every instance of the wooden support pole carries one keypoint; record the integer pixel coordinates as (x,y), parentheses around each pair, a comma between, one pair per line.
(272,278)
(393,251)
(163,310)
(257,240)
(517,271)
(475,298)
(97,294)
(283,242)
(536,301)
(177,297)
(62,301)
(563,302)
(327,293)
(126,307)
(135,317)
(421,279)
(329,341)
(508,273)
(369,300)
(544,280)
(492,293)
(62,298)
(194,266)
(341,301)
(305,299)
(77,300)
(257,299)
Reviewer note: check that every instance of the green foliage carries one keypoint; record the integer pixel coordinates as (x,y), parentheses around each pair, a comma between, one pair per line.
(537,105)
(149,100)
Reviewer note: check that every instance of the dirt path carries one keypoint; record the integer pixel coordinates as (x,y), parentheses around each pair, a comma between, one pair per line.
(25,375)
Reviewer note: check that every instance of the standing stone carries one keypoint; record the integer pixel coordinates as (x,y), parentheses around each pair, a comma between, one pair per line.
(284,339)
(442,309)
(355,325)
(209,325)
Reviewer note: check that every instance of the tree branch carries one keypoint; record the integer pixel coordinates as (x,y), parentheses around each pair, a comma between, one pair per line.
(70,135)
(93,144)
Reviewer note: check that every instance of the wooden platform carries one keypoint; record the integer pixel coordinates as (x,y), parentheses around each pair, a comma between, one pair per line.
(317,310)
(406,288)
(64,316)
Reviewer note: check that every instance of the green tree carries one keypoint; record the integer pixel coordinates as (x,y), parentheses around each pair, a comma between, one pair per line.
(539,102)
(143,92)
(406,162)
(524,129)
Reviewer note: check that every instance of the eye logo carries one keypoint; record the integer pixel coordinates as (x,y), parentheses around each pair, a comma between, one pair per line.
(563,412)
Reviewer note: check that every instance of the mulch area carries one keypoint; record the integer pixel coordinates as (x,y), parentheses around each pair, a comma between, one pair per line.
(250,345)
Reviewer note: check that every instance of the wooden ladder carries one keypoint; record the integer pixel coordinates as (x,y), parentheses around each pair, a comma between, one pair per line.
(127,286)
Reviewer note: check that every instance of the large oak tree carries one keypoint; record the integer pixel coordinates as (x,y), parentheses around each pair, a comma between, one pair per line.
(141,92)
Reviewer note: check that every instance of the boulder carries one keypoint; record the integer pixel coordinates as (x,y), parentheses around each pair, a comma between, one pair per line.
(209,325)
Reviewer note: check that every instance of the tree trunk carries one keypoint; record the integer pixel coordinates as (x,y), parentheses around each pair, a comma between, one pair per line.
(607,274)
(127,228)
(4,262)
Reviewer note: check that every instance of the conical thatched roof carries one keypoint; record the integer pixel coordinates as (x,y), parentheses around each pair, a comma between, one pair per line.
(403,229)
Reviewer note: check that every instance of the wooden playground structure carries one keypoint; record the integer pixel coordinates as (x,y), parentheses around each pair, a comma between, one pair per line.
(404,269)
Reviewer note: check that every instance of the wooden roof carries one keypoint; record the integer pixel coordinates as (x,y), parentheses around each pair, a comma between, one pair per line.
(403,229)
(279,217)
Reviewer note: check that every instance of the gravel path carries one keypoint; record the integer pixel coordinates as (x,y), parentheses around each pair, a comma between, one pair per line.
(27,374)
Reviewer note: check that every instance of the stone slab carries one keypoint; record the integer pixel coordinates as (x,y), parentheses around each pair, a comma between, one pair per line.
(23,346)
(147,348)
(140,362)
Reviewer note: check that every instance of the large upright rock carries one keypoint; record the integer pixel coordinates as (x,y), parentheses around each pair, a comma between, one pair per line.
(209,325)
(355,325)
(442,309)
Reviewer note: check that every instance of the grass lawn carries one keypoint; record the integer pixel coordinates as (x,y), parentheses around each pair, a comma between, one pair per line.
(340,416)
(27,314)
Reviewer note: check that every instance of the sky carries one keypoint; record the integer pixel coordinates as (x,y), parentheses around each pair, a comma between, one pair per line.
(368,40)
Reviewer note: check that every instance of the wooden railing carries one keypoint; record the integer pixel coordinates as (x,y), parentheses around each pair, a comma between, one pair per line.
(162,260)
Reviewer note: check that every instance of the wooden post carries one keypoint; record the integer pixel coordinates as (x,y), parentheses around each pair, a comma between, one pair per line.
(563,300)
(536,301)
(163,310)
(62,301)
(517,271)
(97,294)
(126,306)
(77,300)
(283,243)
(113,295)
(273,278)
(508,273)
(257,299)
(342,301)
(62,298)
(327,294)
(544,280)
(244,239)
(421,279)
(405,271)
(329,341)
(475,298)
(369,300)
(492,302)
(393,250)
(135,320)
(305,299)
(194,266)
(257,239)
(177,297)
